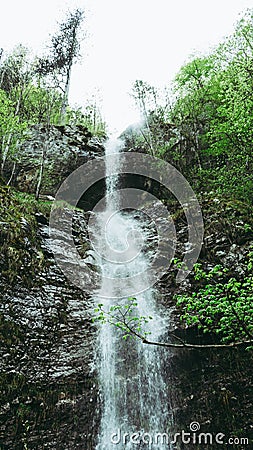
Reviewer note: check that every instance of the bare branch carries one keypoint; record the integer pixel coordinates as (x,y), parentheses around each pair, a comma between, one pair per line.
(123,322)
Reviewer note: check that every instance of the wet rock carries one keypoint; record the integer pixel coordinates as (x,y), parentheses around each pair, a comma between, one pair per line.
(41,219)
(47,358)
(65,148)
(213,387)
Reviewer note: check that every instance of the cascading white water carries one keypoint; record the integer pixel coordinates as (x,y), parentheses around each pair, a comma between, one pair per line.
(133,390)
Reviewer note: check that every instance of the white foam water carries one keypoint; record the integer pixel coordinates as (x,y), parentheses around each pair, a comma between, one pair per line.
(134,393)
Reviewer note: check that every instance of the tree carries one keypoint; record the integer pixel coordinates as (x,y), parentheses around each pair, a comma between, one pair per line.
(10,128)
(14,69)
(125,317)
(64,51)
(193,109)
(15,75)
(22,104)
(145,97)
(49,103)
(212,114)
(222,302)
(231,129)
(218,303)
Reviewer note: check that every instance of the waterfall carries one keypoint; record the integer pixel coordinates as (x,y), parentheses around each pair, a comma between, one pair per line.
(134,394)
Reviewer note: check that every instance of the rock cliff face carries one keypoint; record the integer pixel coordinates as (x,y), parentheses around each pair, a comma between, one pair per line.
(210,386)
(61,149)
(49,392)
(48,385)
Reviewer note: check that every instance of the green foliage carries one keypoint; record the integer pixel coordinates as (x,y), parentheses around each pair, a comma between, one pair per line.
(64,51)
(40,105)
(20,251)
(222,304)
(125,317)
(64,46)
(11,127)
(88,117)
(213,113)
(29,96)
(206,129)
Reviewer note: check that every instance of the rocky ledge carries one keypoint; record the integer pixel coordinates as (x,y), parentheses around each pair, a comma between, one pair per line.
(60,148)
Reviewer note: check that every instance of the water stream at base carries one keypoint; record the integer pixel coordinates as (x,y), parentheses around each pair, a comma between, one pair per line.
(134,393)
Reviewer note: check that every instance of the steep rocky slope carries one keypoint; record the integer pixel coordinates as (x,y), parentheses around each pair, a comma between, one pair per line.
(48,383)
(49,388)
(60,148)
(211,386)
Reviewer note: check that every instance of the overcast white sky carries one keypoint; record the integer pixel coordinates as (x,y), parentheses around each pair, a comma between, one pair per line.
(127,40)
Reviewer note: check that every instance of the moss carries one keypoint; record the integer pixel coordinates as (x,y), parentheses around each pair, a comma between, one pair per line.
(20,247)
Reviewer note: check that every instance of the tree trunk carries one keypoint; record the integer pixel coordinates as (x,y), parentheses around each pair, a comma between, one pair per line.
(150,140)
(67,84)
(12,173)
(65,95)
(42,164)
(6,151)
(10,135)
(196,146)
